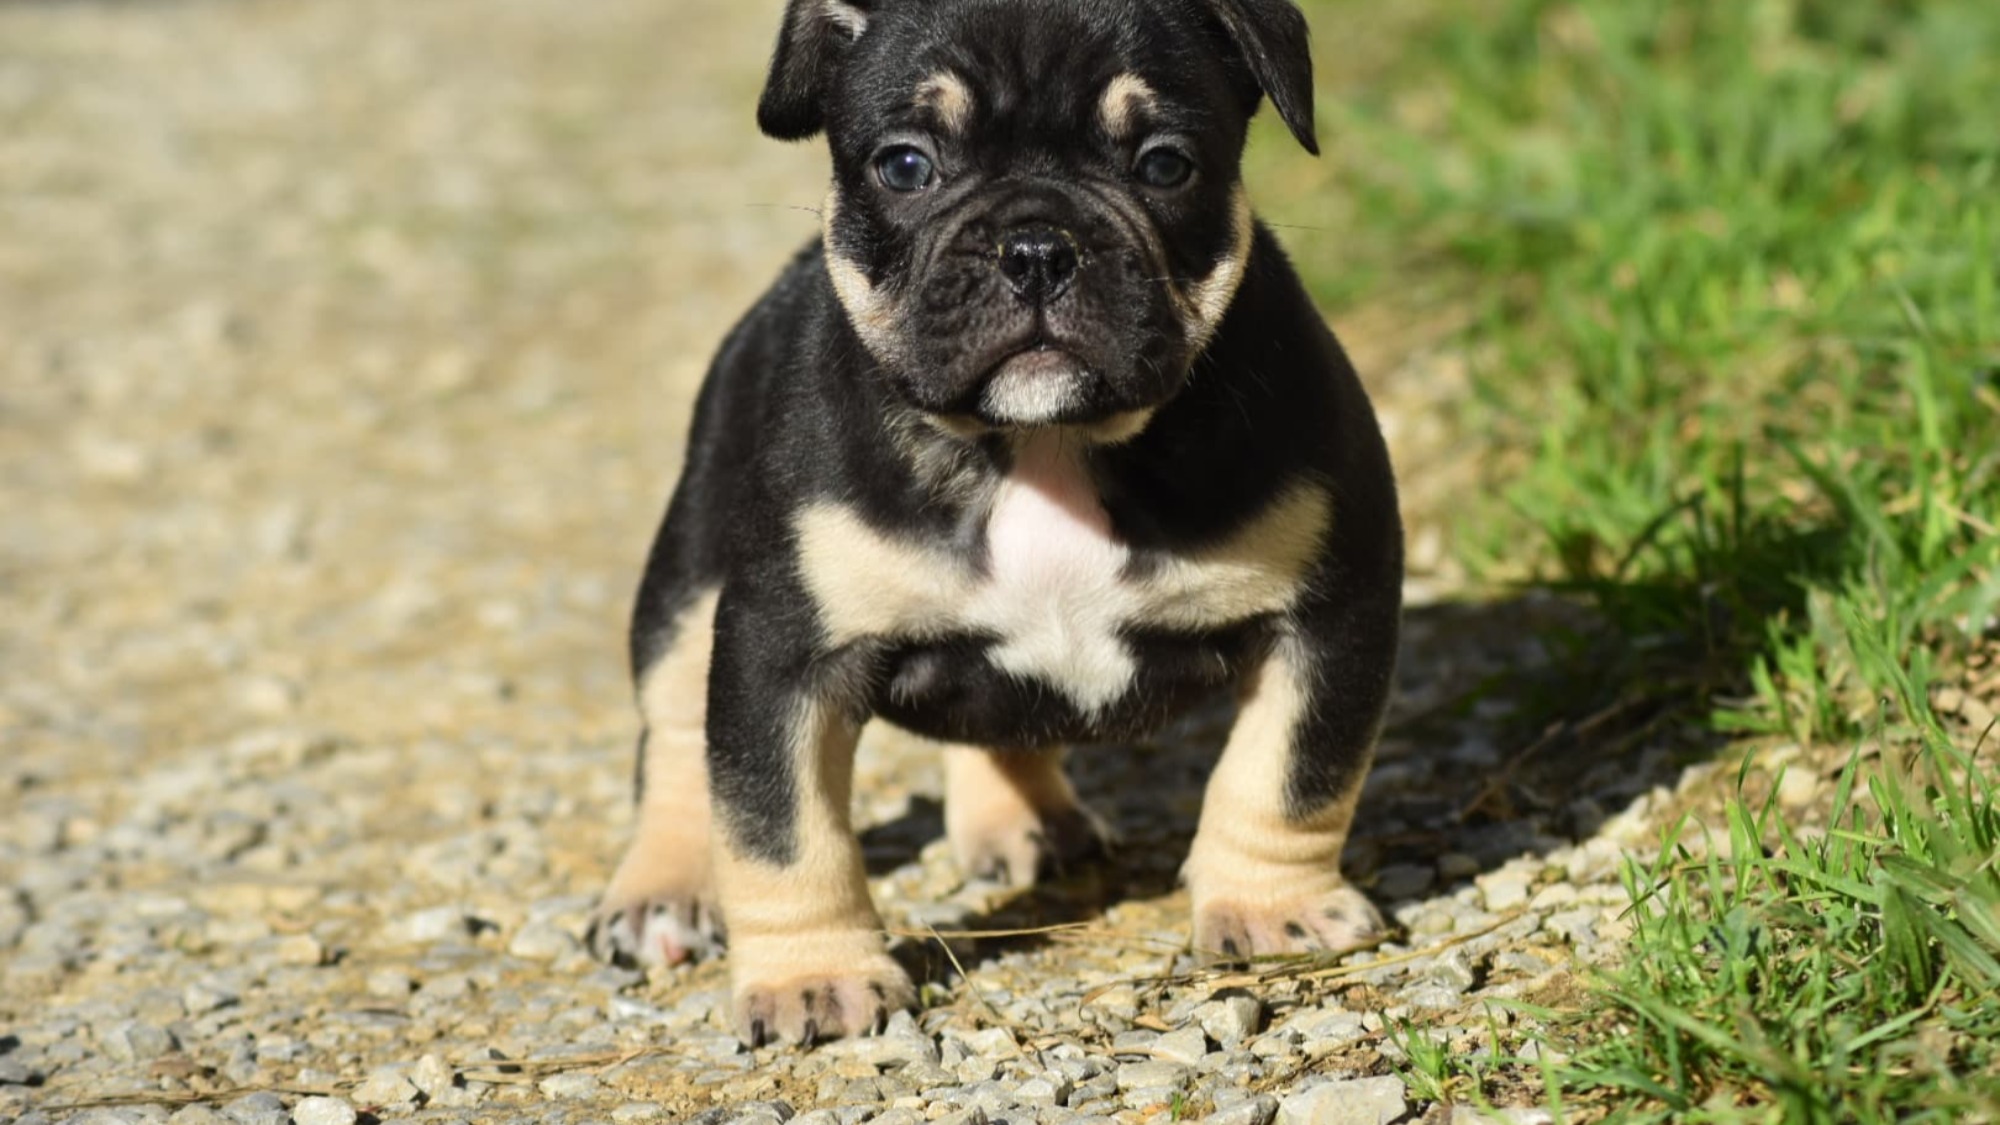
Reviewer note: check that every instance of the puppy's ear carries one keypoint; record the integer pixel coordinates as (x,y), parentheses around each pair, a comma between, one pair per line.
(810,45)
(1271,34)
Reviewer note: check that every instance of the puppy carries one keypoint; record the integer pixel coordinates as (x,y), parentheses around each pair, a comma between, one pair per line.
(1040,443)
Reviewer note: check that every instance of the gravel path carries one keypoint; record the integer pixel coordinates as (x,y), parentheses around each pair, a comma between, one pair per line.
(345,353)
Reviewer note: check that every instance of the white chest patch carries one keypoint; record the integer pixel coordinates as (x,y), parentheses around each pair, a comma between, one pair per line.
(1054,590)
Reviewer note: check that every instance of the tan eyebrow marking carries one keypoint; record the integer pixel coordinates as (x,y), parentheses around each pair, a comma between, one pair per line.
(1124,96)
(849,18)
(947,94)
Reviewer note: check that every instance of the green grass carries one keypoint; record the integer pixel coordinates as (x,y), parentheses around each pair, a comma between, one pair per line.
(1729,275)
(1849,975)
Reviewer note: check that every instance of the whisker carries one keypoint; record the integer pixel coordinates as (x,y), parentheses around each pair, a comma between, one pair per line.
(785,207)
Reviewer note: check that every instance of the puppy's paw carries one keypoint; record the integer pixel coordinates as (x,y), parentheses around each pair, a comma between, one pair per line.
(1016,846)
(818,992)
(665,928)
(1333,921)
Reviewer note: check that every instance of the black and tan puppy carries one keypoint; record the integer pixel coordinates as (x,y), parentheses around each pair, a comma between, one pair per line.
(1040,443)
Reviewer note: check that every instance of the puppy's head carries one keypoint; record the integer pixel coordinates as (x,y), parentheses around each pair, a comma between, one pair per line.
(1036,215)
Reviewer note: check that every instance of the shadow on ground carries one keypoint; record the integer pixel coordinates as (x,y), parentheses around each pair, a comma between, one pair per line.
(1481,762)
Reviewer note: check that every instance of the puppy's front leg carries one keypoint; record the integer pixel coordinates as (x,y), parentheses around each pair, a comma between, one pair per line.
(1264,871)
(806,953)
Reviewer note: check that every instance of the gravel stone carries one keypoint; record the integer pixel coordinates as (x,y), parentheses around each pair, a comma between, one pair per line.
(1574,926)
(1453,866)
(386,1090)
(203,997)
(261,1108)
(197,1115)
(1147,1099)
(1452,969)
(886,1051)
(391,985)
(299,949)
(1404,881)
(1155,1073)
(1046,1090)
(439,923)
(1553,896)
(542,941)
(1505,889)
(133,1041)
(323,1111)
(1251,1111)
(570,1084)
(640,1111)
(433,1077)
(1360,1101)
(1186,1046)
(1432,997)
(992,1043)
(1232,1017)
(1324,1030)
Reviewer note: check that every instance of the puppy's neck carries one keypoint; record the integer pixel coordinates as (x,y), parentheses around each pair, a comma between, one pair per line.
(1050,476)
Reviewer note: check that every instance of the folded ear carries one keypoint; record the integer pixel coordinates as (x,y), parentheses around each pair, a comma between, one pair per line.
(815,35)
(1271,34)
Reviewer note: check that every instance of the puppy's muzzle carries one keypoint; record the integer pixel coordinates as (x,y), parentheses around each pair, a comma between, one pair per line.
(1039,262)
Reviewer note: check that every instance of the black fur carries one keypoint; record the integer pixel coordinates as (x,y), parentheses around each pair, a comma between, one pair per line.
(798,408)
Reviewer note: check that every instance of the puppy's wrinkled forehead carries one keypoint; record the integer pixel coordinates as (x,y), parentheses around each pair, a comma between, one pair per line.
(1034,67)
(1030,70)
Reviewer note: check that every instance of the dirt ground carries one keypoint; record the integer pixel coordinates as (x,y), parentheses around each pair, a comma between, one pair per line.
(346,351)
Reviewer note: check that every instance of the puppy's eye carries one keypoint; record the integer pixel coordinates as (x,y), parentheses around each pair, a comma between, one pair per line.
(1164,167)
(904,168)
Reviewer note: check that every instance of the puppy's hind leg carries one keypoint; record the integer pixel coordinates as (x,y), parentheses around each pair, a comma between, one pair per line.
(1013,817)
(660,906)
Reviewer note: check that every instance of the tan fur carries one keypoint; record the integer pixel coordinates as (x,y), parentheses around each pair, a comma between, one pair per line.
(668,855)
(1124,97)
(1009,813)
(808,925)
(1117,429)
(1204,302)
(1266,877)
(1258,570)
(868,583)
(871,312)
(950,97)
(993,794)
(823,888)
(851,19)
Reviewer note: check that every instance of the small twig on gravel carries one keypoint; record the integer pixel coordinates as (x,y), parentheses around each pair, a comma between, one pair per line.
(190,1097)
(970,985)
(1301,967)
(975,935)
(555,1066)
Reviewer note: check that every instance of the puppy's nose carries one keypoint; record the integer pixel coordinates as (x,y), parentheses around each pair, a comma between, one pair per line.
(1039,262)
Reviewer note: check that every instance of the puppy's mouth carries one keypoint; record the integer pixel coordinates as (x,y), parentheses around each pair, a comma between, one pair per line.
(1041,385)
